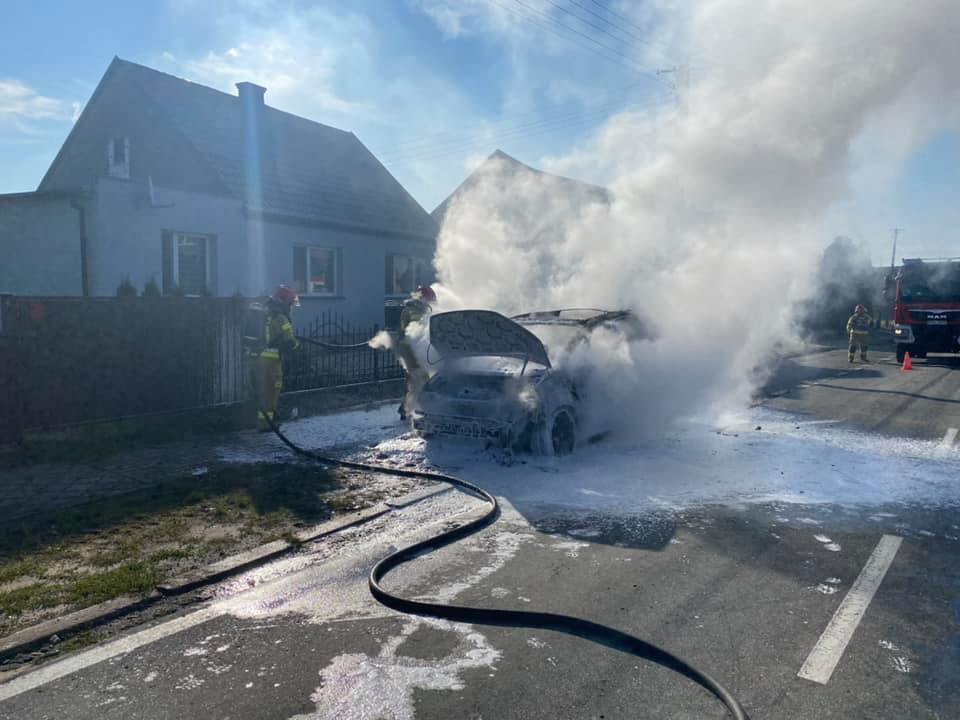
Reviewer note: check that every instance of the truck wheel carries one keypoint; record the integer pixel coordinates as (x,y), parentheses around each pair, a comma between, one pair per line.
(556,434)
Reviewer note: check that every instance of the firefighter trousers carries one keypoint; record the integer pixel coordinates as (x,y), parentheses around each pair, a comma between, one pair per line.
(416,377)
(858,339)
(267,384)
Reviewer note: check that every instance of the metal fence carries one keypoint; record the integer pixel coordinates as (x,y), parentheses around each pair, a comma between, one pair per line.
(314,366)
(71,360)
(65,361)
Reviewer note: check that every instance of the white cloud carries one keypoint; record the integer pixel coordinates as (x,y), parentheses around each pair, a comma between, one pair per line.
(295,58)
(457,18)
(20,101)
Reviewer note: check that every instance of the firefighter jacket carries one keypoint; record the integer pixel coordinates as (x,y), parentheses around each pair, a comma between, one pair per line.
(279,335)
(859,323)
(414,310)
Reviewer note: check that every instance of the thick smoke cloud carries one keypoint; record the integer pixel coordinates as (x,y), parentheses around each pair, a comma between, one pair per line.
(714,228)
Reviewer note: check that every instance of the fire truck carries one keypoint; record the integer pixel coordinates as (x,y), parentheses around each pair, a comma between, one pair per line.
(926,308)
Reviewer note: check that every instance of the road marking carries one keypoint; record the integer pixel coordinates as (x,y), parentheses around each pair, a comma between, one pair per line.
(949,437)
(825,655)
(70,665)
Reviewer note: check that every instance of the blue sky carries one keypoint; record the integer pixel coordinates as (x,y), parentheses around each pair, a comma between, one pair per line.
(430,86)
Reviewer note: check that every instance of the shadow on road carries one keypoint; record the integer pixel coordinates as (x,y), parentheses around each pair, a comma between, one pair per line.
(947,361)
(298,489)
(879,391)
(790,373)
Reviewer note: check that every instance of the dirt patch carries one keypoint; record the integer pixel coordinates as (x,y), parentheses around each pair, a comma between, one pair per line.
(126,545)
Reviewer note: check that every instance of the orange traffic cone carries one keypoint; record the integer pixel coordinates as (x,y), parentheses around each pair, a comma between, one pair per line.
(907,364)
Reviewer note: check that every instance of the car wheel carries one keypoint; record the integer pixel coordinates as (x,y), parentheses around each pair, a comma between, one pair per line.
(556,434)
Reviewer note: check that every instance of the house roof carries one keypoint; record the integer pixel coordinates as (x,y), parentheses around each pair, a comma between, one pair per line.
(505,168)
(308,170)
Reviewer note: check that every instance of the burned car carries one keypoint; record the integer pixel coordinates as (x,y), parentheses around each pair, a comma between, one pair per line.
(496,383)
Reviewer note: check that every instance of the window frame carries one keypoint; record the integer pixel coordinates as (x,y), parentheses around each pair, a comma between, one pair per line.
(208,239)
(422,271)
(118,170)
(337,289)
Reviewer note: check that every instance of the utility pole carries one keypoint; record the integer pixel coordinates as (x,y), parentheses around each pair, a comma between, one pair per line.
(680,82)
(893,256)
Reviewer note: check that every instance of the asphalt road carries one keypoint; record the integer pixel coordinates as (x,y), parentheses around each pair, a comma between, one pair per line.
(743,584)
(877,396)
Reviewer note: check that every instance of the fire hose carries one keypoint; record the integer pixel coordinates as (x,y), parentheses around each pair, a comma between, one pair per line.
(578,627)
(334,346)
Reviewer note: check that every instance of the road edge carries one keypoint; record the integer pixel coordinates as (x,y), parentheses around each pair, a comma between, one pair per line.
(30,638)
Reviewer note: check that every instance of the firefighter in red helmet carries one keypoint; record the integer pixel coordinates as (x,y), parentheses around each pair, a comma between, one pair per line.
(415,310)
(278,339)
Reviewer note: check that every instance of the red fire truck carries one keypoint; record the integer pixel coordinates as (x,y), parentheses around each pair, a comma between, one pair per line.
(926,309)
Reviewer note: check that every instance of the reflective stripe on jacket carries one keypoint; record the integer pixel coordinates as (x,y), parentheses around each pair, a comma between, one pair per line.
(859,323)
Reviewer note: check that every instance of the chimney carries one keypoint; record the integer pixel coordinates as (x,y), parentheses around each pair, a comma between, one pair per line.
(251,94)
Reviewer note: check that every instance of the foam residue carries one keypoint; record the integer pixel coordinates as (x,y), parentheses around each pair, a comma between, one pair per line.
(356,686)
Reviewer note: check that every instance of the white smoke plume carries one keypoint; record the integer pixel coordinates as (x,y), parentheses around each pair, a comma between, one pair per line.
(716,220)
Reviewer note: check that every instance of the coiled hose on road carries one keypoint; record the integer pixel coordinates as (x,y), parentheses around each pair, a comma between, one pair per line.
(570,625)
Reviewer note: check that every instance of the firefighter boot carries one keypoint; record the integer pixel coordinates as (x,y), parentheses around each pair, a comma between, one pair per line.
(850,357)
(863,357)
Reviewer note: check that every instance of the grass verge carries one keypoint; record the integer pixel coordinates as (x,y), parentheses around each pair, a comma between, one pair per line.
(126,545)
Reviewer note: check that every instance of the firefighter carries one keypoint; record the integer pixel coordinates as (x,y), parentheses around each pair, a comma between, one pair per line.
(416,309)
(858,327)
(278,339)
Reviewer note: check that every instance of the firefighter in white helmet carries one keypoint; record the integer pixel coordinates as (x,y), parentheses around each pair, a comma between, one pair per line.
(416,309)
(858,328)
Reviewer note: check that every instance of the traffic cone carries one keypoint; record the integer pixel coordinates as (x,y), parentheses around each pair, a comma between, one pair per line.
(907,364)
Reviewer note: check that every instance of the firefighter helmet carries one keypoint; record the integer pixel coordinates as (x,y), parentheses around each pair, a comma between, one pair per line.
(426,293)
(860,308)
(285,296)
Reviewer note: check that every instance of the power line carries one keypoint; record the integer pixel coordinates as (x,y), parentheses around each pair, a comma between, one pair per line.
(505,132)
(426,141)
(487,138)
(585,22)
(622,18)
(631,65)
(610,22)
(630,60)
(513,134)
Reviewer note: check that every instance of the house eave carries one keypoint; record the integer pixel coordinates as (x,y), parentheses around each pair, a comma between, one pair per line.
(312,221)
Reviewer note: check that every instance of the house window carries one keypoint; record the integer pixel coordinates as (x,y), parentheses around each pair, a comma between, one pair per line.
(405,274)
(118,158)
(188,263)
(315,270)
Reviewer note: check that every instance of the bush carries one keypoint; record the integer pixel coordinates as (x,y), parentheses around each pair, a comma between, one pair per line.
(126,289)
(151,289)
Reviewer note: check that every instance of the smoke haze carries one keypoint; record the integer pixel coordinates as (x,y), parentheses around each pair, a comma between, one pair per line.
(716,221)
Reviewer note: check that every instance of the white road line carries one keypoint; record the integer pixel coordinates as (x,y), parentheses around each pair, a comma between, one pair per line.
(949,437)
(825,655)
(70,665)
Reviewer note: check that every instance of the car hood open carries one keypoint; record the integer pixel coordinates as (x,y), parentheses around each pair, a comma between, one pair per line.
(477,333)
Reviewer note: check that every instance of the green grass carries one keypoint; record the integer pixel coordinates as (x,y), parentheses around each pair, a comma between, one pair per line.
(32,597)
(127,544)
(136,578)
(21,567)
(168,554)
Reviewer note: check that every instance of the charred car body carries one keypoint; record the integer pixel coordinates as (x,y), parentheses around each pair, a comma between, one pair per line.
(496,383)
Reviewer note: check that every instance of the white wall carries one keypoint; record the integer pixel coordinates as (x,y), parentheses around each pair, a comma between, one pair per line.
(126,235)
(362,268)
(39,245)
